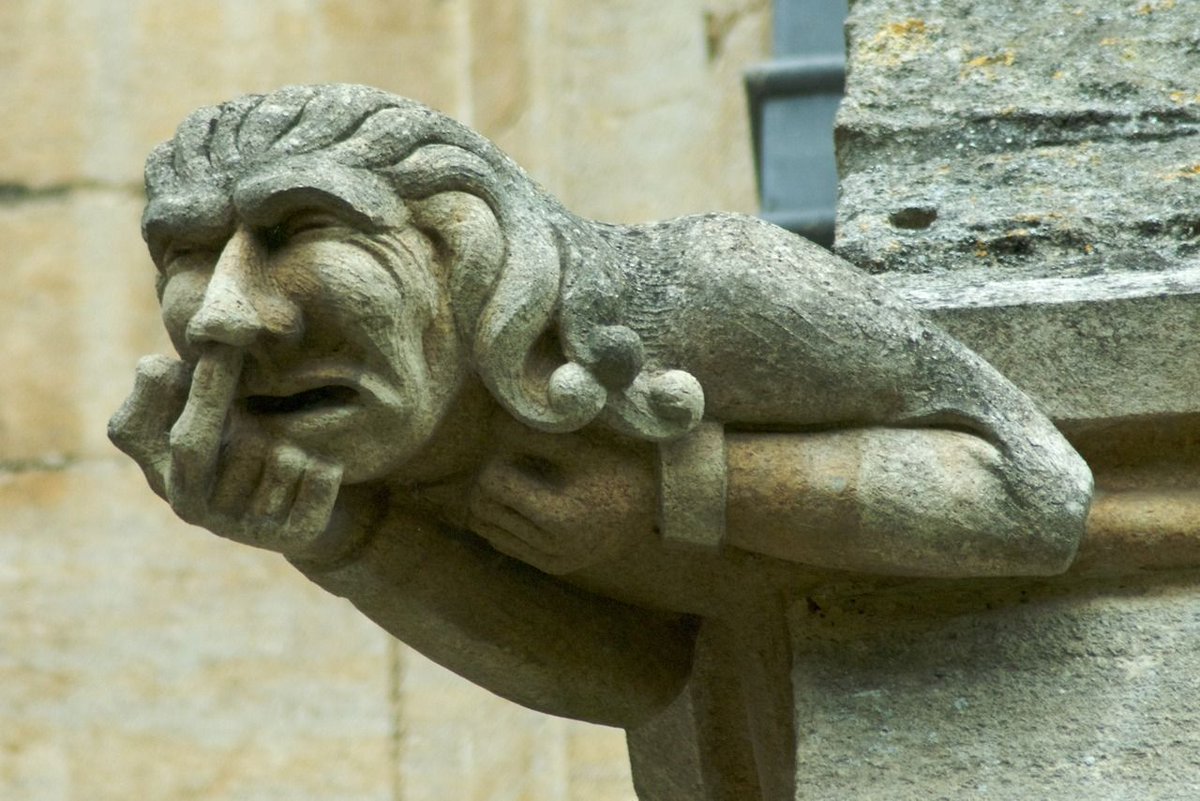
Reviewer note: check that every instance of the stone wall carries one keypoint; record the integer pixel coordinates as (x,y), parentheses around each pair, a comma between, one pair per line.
(1026,172)
(1020,137)
(141,658)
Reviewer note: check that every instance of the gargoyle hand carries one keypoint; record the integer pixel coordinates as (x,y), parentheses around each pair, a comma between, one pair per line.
(217,469)
(561,502)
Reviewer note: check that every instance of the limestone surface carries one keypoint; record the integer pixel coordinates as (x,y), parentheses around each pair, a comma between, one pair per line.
(1003,135)
(1023,173)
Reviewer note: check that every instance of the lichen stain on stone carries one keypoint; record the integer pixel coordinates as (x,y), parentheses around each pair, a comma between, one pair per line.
(1146,9)
(1005,59)
(908,27)
(1187,173)
(987,64)
(1016,240)
(1127,53)
(1184,98)
(898,42)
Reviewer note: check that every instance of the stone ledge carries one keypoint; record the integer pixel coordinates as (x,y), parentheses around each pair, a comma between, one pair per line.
(1114,359)
(1091,349)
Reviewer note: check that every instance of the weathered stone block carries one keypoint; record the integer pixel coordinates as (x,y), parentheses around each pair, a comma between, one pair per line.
(1121,344)
(999,693)
(139,658)
(97,87)
(655,104)
(79,308)
(1004,134)
(1023,172)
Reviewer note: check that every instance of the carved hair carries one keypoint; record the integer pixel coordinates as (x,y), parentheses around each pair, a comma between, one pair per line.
(553,288)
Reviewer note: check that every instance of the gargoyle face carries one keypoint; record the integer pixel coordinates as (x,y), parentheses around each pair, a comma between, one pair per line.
(335,313)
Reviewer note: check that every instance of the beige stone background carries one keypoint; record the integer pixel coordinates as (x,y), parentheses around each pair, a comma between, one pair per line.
(141,658)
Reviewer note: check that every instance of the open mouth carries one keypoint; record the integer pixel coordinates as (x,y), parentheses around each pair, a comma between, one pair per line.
(317,399)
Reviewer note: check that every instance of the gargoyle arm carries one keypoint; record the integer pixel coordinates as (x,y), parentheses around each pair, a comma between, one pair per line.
(516,631)
(900,501)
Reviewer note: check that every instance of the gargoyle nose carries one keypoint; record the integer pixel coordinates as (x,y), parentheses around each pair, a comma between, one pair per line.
(240,304)
(227,317)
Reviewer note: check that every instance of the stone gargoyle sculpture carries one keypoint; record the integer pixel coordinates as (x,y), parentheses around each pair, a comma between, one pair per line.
(584,465)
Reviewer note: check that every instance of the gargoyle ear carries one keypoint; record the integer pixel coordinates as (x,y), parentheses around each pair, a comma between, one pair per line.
(499,230)
(532,290)
(469,248)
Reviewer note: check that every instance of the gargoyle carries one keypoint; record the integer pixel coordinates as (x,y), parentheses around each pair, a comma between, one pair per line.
(553,453)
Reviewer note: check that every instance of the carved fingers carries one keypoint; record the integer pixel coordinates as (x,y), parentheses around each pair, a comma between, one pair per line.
(219,470)
(140,428)
(195,438)
(511,508)
(564,501)
(271,495)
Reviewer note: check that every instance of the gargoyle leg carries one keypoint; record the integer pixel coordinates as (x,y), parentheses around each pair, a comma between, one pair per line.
(728,736)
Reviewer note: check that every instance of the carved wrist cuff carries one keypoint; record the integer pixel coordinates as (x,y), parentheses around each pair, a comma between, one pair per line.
(692,484)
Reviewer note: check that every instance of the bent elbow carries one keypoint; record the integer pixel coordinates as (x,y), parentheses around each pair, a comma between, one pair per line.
(1050,515)
(1012,519)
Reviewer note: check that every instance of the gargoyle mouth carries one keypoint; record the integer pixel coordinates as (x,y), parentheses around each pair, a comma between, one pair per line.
(316,399)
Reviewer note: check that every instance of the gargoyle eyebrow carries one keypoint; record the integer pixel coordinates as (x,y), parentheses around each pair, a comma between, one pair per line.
(358,197)
(192,217)
(274,208)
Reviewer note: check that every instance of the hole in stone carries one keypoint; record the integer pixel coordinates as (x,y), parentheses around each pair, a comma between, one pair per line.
(913,217)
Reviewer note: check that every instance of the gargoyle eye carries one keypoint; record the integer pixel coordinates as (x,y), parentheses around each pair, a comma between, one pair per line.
(277,236)
(182,252)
